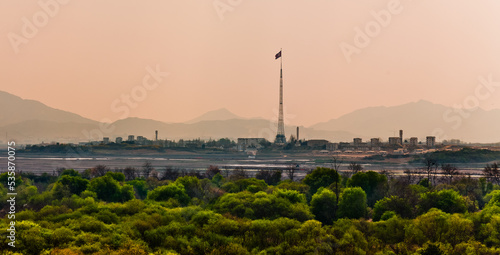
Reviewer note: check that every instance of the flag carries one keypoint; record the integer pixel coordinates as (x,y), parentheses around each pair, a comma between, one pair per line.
(278,55)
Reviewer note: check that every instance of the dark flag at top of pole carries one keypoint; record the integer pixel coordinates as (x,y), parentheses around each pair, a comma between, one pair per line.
(278,55)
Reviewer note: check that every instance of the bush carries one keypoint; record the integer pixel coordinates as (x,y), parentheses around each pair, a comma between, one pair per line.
(352,203)
(173,190)
(395,204)
(323,206)
(109,190)
(373,183)
(68,185)
(264,206)
(242,184)
(446,200)
(321,177)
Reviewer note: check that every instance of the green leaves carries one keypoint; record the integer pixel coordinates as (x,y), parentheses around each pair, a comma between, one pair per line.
(68,185)
(264,206)
(352,203)
(323,206)
(110,190)
(446,200)
(321,177)
(173,190)
(395,204)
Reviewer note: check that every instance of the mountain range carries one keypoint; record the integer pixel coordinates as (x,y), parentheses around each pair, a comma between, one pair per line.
(29,121)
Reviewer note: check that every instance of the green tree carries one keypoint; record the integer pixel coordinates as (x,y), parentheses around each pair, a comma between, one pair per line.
(432,226)
(68,185)
(321,177)
(323,206)
(396,204)
(6,178)
(447,200)
(110,190)
(431,249)
(352,203)
(140,187)
(173,190)
(290,185)
(192,185)
(373,183)
(242,184)
(493,198)
(117,176)
(261,205)
(70,172)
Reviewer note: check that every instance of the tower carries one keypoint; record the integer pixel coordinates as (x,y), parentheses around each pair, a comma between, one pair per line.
(401,137)
(280,135)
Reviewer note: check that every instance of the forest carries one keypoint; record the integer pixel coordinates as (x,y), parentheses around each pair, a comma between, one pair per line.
(120,211)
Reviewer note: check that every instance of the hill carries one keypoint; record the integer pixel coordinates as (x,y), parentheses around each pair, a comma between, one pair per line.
(419,119)
(219,114)
(16,110)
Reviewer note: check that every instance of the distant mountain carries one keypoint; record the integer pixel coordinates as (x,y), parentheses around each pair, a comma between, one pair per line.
(219,114)
(29,121)
(232,128)
(37,131)
(14,109)
(45,131)
(419,119)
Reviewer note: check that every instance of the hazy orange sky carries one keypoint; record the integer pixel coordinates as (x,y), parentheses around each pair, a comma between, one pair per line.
(91,52)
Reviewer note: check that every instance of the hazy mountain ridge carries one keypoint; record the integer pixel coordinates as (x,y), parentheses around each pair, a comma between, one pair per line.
(33,122)
(235,128)
(219,114)
(419,119)
(15,110)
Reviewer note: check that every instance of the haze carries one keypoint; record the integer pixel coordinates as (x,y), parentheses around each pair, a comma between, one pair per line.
(92,52)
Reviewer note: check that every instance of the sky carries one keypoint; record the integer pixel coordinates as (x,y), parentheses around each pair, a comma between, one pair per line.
(100,59)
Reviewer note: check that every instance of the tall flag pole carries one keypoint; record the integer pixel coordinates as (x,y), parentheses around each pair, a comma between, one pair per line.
(280,135)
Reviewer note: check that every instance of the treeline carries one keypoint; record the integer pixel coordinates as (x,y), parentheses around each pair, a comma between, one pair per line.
(227,212)
(464,155)
(220,144)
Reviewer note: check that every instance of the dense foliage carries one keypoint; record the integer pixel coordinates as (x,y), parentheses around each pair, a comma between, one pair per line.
(465,155)
(325,213)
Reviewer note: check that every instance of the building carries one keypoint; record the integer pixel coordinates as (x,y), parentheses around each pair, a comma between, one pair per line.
(356,141)
(343,146)
(362,147)
(317,143)
(413,141)
(418,152)
(244,143)
(118,140)
(141,139)
(394,140)
(131,138)
(105,140)
(332,146)
(375,142)
(431,141)
(399,151)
